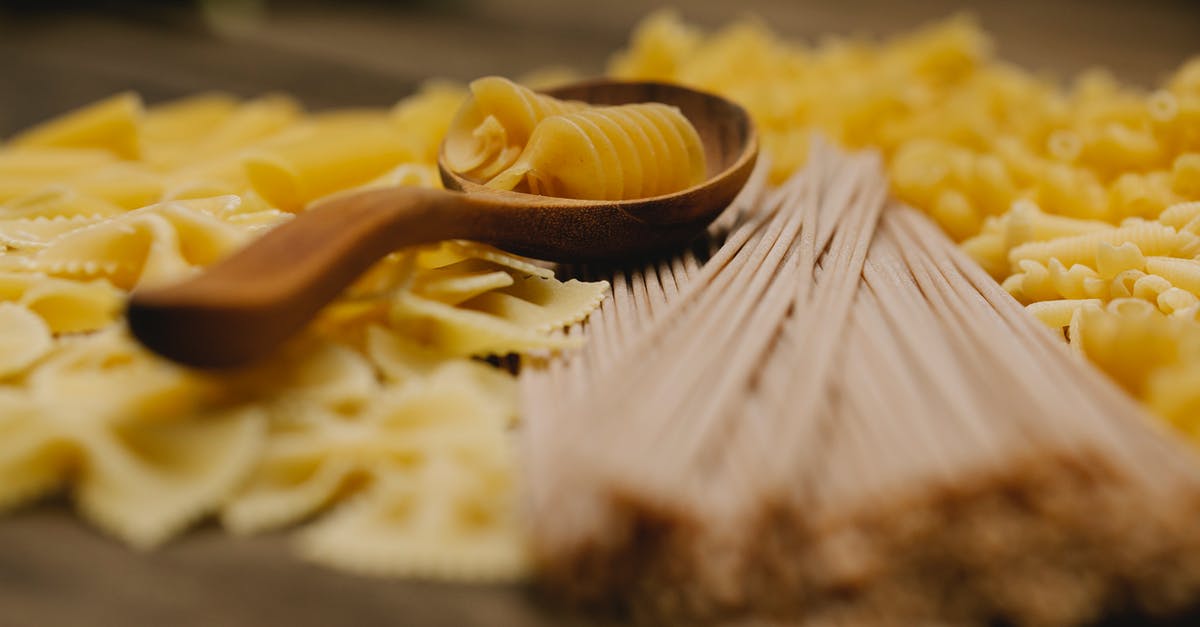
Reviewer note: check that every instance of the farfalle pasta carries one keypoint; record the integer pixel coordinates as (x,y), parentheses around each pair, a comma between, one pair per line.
(120,195)
(434,451)
(143,462)
(24,338)
(66,306)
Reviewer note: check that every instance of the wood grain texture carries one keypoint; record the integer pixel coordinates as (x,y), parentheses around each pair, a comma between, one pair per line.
(54,571)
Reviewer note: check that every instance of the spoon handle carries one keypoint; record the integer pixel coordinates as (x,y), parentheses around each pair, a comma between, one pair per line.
(242,307)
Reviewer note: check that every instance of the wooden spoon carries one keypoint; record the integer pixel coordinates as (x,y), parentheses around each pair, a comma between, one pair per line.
(241,308)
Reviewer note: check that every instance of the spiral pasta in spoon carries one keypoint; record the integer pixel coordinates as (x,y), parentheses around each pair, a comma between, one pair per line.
(508,137)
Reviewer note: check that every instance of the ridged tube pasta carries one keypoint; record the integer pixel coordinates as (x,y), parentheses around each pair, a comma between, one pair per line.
(1037,282)
(1057,314)
(1180,214)
(1150,287)
(587,154)
(323,159)
(682,139)
(124,184)
(625,150)
(1122,285)
(509,137)
(188,119)
(1027,223)
(110,125)
(51,163)
(1078,281)
(492,127)
(1182,273)
(989,251)
(1113,260)
(170,132)
(1150,237)
(1175,300)
(252,121)
(1185,175)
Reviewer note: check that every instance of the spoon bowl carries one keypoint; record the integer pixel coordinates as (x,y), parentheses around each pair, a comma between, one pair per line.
(566,229)
(243,307)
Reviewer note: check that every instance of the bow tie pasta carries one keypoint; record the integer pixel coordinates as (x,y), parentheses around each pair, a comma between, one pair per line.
(383,397)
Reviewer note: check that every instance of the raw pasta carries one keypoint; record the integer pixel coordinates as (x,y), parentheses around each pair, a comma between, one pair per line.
(325,156)
(66,306)
(509,137)
(451,511)
(24,338)
(110,125)
(608,153)
(1058,191)
(381,401)
(494,124)
(840,420)
(1082,200)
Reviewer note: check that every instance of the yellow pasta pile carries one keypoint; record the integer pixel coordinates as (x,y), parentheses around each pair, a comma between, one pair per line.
(377,428)
(509,137)
(1084,201)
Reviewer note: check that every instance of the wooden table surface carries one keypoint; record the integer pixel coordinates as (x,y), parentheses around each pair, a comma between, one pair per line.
(55,571)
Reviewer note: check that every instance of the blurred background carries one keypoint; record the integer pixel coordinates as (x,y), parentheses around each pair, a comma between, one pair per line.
(55,55)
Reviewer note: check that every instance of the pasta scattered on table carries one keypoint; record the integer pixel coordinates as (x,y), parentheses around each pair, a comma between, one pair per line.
(379,402)
(1066,194)
(376,429)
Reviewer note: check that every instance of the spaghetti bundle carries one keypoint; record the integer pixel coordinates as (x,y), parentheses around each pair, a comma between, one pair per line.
(840,417)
